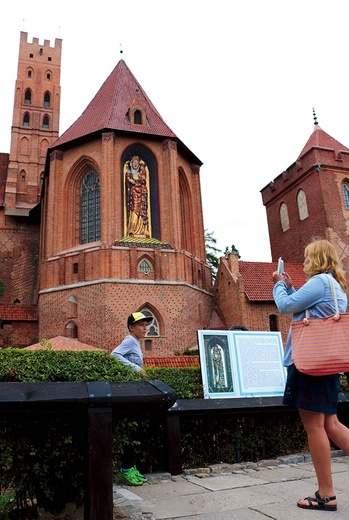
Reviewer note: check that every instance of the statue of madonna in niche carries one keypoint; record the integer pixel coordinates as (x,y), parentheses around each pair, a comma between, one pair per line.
(137,203)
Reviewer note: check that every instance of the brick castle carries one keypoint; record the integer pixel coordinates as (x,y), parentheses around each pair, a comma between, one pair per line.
(107,219)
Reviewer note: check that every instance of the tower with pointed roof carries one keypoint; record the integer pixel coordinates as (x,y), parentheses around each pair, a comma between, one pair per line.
(123,226)
(310,199)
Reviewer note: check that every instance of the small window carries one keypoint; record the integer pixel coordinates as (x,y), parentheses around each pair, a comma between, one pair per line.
(137,117)
(26,120)
(147,344)
(48,76)
(29,75)
(27,97)
(345,192)
(75,268)
(273,323)
(45,122)
(49,58)
(47,99)
(284,220)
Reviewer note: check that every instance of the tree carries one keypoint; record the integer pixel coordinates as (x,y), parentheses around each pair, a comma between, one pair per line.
(232,249)
(212,252)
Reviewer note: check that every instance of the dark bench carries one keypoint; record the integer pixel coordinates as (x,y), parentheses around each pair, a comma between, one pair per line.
(98,402)
(241,406)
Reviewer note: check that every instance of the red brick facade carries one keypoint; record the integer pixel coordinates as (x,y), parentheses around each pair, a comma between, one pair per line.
(86,287)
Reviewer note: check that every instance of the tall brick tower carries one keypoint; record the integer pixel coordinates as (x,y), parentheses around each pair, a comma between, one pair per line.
(123,226)
(34,128)
(310,199)
(35,122)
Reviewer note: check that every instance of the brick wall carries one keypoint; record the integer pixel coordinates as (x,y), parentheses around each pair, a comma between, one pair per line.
(102,310)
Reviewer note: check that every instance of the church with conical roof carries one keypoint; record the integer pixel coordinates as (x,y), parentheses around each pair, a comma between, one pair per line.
(119,221)
(107,219)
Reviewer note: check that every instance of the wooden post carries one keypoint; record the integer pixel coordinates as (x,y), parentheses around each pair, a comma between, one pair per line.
(174,443)
(99,486)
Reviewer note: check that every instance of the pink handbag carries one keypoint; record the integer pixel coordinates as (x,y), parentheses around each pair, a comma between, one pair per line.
(320,346)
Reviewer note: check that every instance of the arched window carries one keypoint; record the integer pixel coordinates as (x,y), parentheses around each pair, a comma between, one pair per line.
(26,120)
(153,329)
(302,205)
(28,97)
(137,117)
(47,99)
(284,220)
(345,192)
(145,267)
(72,307)
(45,123)
(71,330)
(90,208)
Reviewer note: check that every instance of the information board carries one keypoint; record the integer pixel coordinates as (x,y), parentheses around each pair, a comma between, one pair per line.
(241,363)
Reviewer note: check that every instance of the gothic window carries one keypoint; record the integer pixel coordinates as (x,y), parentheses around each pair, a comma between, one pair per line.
(285,223)
(29,73)
(153,329)
(137,117)
(90,208)
(302,205)
(26,120)
(345,192)
(45,123)
(27,97)
(72,307)
(145,267)
(47,99)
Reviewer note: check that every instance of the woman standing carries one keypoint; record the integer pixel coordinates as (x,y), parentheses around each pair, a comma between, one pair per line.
(315,396)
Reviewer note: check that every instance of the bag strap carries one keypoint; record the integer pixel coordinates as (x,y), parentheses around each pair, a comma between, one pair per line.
(336,316)
(334,296)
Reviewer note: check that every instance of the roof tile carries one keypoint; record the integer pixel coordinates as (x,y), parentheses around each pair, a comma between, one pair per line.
(320,139)
(258,281)
(108,109)
(172,361)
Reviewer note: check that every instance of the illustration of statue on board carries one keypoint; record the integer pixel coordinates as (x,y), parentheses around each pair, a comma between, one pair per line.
(137,195)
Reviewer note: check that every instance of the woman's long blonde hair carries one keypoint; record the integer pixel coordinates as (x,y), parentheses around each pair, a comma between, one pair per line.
(324,257)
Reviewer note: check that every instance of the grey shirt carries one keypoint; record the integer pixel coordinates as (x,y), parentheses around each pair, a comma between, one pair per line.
(129,353)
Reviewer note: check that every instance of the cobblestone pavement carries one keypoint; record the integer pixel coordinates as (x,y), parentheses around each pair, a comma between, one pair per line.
(265,490)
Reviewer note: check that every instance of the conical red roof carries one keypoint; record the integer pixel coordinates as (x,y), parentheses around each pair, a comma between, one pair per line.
(108,110)
(320,139)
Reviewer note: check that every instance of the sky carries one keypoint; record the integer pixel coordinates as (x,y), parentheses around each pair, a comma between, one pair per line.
(236,81)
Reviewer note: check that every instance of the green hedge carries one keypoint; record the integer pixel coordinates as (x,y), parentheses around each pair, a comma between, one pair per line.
(42,456)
